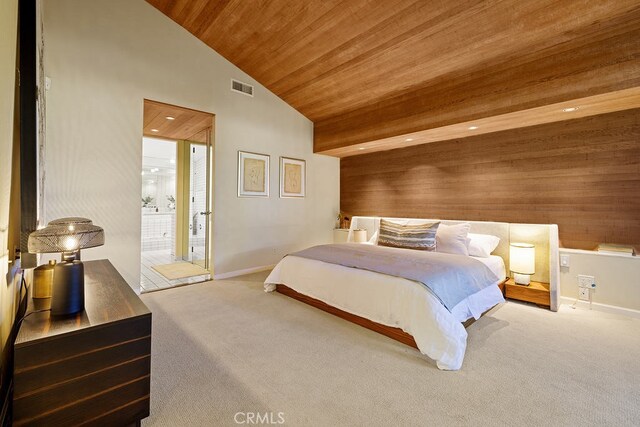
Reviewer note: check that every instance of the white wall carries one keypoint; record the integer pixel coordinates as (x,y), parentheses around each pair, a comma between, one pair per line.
(617,278)
(104,57)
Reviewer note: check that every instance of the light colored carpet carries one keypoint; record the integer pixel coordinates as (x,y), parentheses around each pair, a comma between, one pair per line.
(179,270)
(225,346)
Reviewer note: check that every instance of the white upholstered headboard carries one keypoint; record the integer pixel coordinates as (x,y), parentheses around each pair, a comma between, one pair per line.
(543,236)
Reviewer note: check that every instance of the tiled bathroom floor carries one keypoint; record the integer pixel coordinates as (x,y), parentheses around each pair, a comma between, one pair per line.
(151,280)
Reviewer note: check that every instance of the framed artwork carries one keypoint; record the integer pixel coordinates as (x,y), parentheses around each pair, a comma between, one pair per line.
(253,174)
(293,176)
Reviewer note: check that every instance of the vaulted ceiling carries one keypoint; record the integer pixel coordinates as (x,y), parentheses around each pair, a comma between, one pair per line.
(377,74)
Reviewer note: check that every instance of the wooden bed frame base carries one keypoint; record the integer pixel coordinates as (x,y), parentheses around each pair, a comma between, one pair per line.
(389,331)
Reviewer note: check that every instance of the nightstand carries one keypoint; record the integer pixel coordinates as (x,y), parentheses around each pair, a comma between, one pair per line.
(536,293)
(340,235)
(90,368)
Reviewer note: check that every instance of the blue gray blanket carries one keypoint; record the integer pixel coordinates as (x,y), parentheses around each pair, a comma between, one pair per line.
(451,278)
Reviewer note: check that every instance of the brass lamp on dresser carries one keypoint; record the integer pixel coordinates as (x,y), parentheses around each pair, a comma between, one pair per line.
(93,368)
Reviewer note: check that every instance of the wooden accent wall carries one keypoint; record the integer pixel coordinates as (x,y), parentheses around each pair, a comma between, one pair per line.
(583,175)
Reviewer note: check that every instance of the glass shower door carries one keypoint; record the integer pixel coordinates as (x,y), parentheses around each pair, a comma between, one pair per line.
(199,204)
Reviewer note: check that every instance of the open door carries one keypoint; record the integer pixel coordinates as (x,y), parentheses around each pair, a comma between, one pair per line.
(177,203)
(199,203)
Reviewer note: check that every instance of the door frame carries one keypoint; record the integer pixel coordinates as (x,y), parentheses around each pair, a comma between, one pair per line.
(183,165)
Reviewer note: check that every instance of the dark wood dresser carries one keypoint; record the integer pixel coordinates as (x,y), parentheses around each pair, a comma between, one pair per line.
(90,369)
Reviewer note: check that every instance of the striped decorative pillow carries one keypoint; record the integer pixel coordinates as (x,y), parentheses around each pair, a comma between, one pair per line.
(421,237)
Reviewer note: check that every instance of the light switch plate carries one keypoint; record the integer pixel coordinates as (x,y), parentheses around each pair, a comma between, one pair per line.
(564,260)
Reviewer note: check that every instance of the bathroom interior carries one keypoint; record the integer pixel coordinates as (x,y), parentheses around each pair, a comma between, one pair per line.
(162,245)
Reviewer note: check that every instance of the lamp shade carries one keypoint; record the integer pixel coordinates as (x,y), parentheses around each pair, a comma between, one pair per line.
(359,236)
(68,237)
(70,220)
(522,258)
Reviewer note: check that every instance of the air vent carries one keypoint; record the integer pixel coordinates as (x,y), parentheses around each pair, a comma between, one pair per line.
(242,88)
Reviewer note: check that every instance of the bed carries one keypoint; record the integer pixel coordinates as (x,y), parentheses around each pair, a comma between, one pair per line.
(395,306)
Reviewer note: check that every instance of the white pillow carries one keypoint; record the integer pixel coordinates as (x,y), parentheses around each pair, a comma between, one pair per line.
(481,245)
(452,239)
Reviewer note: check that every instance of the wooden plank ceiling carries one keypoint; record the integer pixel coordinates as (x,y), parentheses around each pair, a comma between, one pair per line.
(368,72)
(162,120)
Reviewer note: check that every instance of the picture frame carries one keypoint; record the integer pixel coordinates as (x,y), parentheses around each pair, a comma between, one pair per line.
(293,177)
(253,174)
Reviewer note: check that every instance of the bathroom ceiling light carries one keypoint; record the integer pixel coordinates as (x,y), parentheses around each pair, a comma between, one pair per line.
(170,118)
(569,109)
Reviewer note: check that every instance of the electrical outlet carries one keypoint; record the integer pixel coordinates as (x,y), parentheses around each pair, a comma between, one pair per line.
(583,294)
(586,281)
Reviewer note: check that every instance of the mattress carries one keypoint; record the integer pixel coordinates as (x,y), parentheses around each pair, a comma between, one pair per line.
(391,301)
(495,264)
(478,303)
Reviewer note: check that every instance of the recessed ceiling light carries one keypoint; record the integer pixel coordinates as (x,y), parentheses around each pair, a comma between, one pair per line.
(569,109)
(154,130)
(473,127)
(361,148)
(170,118)
(408,140)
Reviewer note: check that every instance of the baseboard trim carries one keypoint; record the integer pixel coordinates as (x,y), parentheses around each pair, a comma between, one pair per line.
(242,272)
(602,307)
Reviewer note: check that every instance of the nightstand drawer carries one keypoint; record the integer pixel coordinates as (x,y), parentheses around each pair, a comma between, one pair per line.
(536,292)
(28,379)
(83,389)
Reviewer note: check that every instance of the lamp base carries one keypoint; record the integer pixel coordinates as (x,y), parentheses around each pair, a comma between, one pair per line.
(522,279)
(67,296)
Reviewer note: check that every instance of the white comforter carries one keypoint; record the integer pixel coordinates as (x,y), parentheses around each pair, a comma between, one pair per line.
(388,300)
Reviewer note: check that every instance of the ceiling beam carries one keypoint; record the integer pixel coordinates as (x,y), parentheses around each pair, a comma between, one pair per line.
(570,73)
(625,99)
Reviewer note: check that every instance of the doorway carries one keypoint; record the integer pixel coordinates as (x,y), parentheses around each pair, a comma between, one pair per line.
(177,178)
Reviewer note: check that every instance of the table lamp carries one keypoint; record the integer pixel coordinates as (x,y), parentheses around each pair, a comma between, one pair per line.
(72,220)
(69,236)
(522,260)
(359,236)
